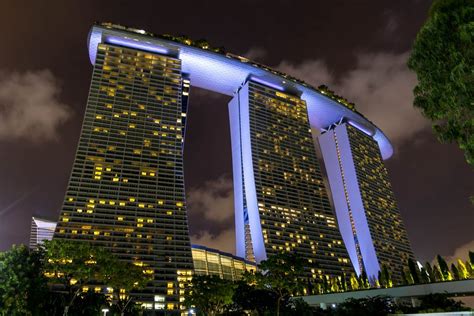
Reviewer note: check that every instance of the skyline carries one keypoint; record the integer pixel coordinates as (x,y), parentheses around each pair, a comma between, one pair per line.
(48,209)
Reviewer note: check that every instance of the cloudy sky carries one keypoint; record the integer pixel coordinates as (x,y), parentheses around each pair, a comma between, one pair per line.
(358,48)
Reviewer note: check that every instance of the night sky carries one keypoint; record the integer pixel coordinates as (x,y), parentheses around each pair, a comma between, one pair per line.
(357,48)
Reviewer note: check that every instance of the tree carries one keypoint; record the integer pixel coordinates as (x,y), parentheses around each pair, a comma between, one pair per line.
(463,271)
(89,304)
(470,271)
(438,274)
(430,272)
(439,303)
(407,278)
(71,265)
(23,287)
(209,294)
(455,272)
(443,266)
(298,306)
(251,298)
(353,282)
(443,59)
(424,276)
(281,274)
(363,281)
(123,277)
(374,306)
(414,272)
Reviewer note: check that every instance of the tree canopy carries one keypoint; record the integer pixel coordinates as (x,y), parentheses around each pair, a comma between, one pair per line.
(22,285)
(280,274)
(209,294)
(443,59)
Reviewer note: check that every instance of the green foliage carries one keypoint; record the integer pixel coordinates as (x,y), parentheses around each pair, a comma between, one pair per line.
(363,281)
(463,273)
(89,304)
(414,272)
(443,59)
(125,277)
(332,95)
(443,266)
(282,274)
(430,272)
(439,303)
(354,282)
(251,298)
(470,269)
(209,294)
(22,285)
(66,261)
(299,307)
(455,272)
(374,306)
(71,265)
(387,276)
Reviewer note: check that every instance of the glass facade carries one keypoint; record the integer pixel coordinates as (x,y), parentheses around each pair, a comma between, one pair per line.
(126,190)
(209,261)
(365,204)
(41,230)
(281,202)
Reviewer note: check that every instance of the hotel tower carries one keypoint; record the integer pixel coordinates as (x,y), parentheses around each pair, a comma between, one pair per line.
(126,190)
(281,203)
(366,209)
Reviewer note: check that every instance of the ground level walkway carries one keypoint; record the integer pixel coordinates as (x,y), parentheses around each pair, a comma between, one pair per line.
(452,288)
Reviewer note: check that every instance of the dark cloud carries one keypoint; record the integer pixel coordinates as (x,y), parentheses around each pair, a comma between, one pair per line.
(213,200)
(256,53)
(381,86)
(30,107)
(224,240)
(461,252)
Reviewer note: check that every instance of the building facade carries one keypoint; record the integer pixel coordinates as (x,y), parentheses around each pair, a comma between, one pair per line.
(208,261)
(366,209)
(281,203)
(126,190)
(41,230)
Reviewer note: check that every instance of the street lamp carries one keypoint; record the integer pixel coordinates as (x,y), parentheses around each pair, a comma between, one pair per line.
(105,310)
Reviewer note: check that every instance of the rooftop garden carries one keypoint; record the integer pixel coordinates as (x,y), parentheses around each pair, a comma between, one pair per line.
(204,44)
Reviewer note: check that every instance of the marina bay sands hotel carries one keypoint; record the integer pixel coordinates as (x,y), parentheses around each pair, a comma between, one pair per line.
(126,190)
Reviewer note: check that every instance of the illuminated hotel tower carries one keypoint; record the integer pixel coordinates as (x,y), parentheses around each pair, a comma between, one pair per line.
(366,210)
(126,190)
(281,203)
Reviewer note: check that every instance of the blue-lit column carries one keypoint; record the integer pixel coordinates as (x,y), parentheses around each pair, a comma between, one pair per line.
(350,213)
(234,117)
(245,196)
(366,209)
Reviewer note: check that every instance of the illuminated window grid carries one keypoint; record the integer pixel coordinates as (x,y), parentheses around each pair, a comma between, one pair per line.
(209,261)
(385,224)
(293,204)
(126,190)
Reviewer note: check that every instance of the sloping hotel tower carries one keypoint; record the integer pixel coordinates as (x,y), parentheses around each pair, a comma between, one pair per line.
(126,190)
(281,203)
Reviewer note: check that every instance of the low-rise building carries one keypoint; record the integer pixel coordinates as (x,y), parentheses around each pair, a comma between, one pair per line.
(208,261)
